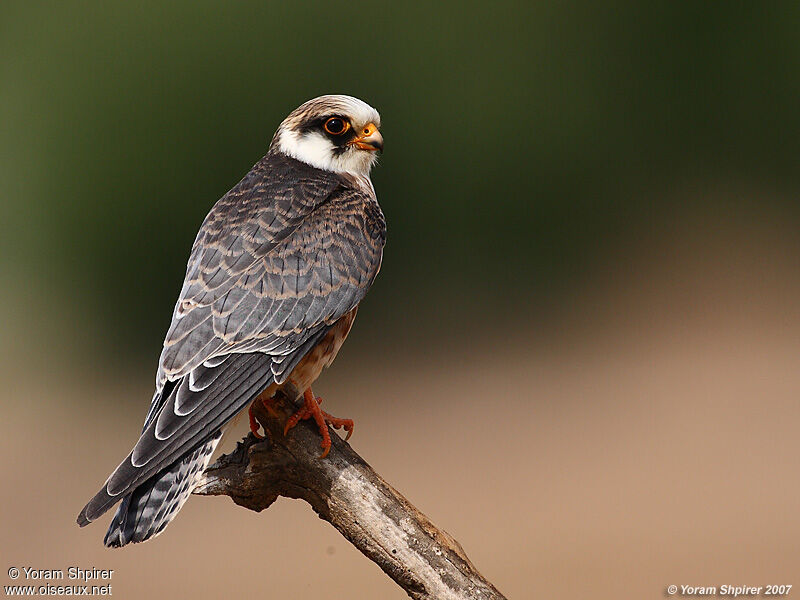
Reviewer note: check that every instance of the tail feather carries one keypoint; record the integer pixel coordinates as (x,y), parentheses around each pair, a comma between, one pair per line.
(145,512)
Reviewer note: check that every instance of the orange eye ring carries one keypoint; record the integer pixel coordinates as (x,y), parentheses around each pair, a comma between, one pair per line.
(336,126)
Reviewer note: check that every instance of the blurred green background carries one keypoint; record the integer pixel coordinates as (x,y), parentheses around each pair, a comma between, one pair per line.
(592,227)
(521,137)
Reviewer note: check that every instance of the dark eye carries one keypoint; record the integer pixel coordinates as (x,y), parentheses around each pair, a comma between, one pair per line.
(336,126)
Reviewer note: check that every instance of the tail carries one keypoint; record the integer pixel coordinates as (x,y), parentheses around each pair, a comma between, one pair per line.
(145,512)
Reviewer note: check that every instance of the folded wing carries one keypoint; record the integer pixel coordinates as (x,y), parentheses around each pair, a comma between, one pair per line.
(278,260)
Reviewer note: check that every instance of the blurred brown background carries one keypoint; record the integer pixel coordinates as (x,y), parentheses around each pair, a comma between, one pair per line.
(581,358)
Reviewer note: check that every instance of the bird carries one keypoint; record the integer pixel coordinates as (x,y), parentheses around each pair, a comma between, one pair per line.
(273,283)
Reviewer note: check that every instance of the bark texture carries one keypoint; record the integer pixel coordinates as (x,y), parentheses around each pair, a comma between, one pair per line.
(345,491)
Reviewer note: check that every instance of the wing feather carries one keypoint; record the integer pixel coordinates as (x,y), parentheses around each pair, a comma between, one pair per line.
(278,260)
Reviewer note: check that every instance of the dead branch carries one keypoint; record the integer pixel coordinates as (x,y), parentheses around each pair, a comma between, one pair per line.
(344,490)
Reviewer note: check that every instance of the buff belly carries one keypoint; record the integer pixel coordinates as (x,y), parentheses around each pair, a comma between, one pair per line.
(302,377)
(322,355)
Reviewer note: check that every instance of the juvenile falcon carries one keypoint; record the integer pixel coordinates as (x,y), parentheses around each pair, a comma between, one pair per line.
(273,284)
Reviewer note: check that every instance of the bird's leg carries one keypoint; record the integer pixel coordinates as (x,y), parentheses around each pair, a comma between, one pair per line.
(254,425)
(265,399)
(310,410)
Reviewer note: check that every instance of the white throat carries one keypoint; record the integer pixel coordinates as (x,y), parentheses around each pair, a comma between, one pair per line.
(316,150)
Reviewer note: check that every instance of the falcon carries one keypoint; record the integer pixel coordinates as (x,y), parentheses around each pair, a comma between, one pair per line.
(272,287)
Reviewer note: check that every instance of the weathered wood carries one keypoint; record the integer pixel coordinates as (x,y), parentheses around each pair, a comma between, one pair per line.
(345,491)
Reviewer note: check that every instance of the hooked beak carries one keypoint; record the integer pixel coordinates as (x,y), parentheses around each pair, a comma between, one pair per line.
(369,139)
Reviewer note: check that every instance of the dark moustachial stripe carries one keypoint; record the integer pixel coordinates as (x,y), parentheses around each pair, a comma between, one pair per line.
(339,141)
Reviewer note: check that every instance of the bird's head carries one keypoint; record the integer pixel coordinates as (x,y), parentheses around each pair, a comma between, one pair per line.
(335,133)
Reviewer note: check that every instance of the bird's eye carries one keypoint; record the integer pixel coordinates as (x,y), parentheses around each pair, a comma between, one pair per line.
(336,126)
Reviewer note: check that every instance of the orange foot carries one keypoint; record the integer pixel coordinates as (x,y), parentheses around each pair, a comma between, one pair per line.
(266,401)
(311,409)
(254,425)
